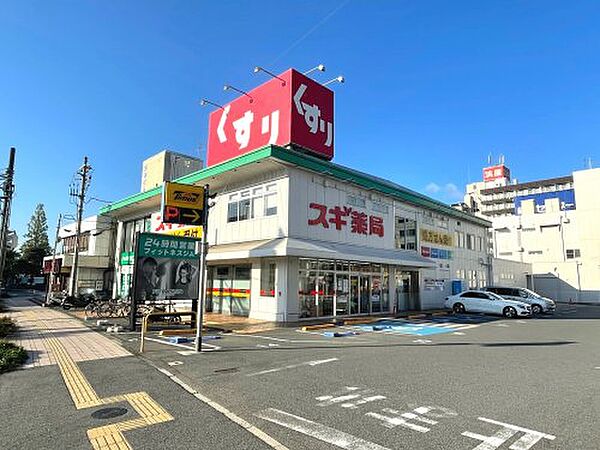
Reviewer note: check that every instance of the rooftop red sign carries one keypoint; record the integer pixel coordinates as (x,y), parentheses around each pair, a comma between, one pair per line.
(290,109)
(495,172)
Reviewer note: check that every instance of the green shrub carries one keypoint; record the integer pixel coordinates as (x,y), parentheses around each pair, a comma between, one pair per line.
(11,356)
(7,326)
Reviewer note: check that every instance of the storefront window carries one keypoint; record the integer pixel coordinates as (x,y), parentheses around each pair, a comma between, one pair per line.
(342,293)
(326,292)
(267,278)
(307,292)
(336,288)
(376,294)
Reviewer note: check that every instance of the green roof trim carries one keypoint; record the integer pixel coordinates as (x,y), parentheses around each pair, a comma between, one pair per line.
(305,161)
(192,178)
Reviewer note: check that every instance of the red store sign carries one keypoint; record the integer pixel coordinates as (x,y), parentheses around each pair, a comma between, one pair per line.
(290,109)
(339,217)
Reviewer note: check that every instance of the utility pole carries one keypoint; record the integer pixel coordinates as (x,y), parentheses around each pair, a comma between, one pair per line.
(84,174)
(53,270)
(8,188)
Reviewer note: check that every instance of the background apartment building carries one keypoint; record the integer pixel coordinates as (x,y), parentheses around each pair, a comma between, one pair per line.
(550,223)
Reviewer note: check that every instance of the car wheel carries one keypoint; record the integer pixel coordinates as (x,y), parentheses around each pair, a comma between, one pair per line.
(536,309)
(458,308)
(509,312)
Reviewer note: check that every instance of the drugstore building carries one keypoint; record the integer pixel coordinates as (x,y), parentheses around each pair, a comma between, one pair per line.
(294,236)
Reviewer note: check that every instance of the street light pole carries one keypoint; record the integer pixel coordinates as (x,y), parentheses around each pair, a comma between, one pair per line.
(84,174)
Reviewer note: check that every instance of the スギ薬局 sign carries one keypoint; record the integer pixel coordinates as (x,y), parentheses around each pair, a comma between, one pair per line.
(290,109)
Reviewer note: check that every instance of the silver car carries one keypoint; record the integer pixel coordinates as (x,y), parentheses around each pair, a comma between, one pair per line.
(538,303)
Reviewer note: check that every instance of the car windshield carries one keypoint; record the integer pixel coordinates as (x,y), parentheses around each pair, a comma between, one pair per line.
(494,296)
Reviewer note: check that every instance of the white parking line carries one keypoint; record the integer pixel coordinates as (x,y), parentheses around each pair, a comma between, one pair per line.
(173,344)
(293,366)
(318,431)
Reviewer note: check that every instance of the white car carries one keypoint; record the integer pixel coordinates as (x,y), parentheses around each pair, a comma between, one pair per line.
(486,302)
(538,303)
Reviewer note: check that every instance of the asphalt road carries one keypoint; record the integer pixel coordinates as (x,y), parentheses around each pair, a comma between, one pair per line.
(481,383)
(37,411)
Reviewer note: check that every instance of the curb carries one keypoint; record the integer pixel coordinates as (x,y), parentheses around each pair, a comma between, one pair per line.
(417,316)
(318,327)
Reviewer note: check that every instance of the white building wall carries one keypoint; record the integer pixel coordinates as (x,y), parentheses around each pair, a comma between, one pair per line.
(258,228)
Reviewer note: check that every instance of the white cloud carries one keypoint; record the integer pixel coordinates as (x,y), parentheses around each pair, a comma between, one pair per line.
(432,188)
(452,192)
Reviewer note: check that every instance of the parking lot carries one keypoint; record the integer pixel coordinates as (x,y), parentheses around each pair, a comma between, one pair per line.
(476,382)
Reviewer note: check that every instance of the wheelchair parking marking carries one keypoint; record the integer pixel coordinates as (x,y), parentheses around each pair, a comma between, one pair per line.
(434,325)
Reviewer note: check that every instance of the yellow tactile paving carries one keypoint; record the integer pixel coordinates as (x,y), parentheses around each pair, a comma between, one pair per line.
(108,437)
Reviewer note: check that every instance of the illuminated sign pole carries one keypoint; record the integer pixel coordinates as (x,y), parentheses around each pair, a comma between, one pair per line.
(202,280)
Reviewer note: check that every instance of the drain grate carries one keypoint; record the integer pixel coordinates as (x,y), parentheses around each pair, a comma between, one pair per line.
(109,413)
(228,370)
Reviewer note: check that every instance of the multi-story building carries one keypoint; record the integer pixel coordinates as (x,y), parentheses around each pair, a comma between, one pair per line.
(96,250)
(551,223)
(166,166)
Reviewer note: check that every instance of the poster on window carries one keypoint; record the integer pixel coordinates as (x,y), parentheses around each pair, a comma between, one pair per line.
(167,268)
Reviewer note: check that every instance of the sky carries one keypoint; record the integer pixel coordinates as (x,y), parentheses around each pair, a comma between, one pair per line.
(432,87)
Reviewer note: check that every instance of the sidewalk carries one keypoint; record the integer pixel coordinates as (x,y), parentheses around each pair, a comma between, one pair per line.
(81,343)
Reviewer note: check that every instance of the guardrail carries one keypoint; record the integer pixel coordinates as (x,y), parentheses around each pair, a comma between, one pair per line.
(192,315)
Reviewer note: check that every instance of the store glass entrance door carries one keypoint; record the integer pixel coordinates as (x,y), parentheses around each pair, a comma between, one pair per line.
(354,294)
(365,294)
(407,291)
(342,295)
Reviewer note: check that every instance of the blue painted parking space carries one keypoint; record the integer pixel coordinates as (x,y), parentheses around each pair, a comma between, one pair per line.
(427,327)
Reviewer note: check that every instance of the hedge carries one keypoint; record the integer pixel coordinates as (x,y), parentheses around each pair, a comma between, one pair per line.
(11,356)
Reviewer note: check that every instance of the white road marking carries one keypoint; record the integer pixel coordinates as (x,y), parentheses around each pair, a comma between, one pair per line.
(402,419)
(270,441)
(525,442)
(173,344)
(459,333)
(520,321)
(503,325)
(422,341)
(175,363)
(318,431)
(293,366)
(353,401)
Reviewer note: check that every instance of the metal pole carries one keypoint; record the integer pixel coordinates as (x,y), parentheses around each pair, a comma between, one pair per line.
(51,278)
(133,285)
(80,199)
(202,280)
(8,192)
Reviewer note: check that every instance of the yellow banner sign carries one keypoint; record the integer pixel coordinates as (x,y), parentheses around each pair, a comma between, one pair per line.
(192,232)
(436,237)
(184,196)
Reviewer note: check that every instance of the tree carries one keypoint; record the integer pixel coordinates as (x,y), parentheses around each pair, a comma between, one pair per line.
(36,244)
(13,266)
